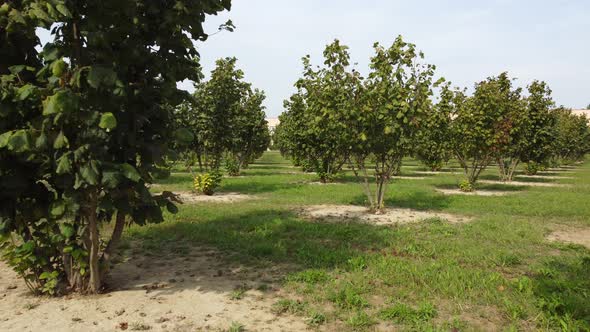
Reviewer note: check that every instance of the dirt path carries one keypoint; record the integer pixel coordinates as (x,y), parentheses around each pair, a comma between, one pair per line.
(524,183)
(388,217)
(576,236)
(478,192)
(177,293)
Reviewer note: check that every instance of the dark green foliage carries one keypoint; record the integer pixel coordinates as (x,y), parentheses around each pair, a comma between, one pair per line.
(84,127)
(313,129)
(395,100)
(484,123)
(433,140)
(572,136)
(227,120)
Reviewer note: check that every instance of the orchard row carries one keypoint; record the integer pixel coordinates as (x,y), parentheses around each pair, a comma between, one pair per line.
(338,118)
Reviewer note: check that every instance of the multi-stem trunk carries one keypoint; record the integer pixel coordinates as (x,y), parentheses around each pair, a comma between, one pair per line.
(507,168)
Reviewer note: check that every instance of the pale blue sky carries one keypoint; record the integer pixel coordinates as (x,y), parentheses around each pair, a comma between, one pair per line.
(466,40)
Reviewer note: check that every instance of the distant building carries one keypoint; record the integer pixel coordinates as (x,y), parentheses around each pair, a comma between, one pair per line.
(272,123)
(582,112)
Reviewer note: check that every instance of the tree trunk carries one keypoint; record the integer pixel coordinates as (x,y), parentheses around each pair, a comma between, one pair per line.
(94,285)
(112,245)
(381,192)
(200,161)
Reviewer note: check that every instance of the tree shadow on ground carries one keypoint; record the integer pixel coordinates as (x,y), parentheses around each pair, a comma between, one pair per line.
(263,242)
(517,178)
(252,187)
(487,186)
(562,287)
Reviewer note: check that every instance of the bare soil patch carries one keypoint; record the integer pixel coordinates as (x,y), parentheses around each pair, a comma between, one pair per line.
(478,192)
(319,183)
(390,216)
(524,183)
(168,293)
(559,170)
(576,236)
(434,172)
(191,197)
(548,177)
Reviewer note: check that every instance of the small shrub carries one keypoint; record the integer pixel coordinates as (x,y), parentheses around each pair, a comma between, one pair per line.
(466,186)
(532,168)
(232,166)
(206,183)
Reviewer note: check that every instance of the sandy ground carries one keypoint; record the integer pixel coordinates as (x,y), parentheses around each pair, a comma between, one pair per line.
(577,236)
(434,172)
(523,183)
(388,217)
(475,193)
(191,197)
(548,177)
(319,183)
(174,293)
(401,177)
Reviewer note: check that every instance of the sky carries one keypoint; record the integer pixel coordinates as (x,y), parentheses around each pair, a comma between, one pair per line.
(468,41)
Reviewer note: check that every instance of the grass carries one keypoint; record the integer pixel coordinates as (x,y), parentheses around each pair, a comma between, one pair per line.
(497,272)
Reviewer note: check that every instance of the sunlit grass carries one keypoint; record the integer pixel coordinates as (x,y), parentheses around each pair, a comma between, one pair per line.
(497,271)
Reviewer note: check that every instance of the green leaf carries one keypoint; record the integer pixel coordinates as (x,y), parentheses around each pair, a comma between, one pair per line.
(108,121)
(61,101)
(4,138)
(89,174)
(66,230)
(110,179)
(63,164)
(24,92)
(130,172)
(19,141)
(61,141)
(57,209)
(101,76)
(184,136)
(63,10)
(41,141)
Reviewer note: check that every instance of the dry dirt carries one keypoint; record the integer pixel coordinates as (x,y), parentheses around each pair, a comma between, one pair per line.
(190,293)
(390,216)
(576,236)
(401,177)
(191,197)
(319,183)
(434,172)
(548,177)
(523,183)
(475,193)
